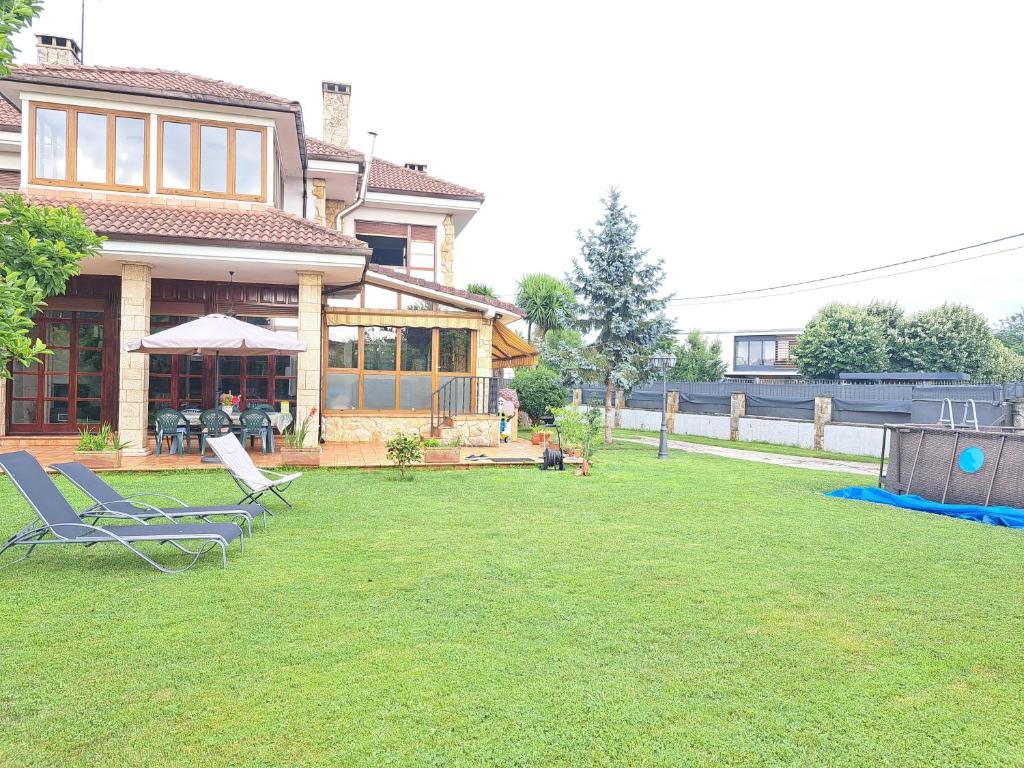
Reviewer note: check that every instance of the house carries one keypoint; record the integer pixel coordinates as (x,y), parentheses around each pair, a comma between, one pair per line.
(762,354)
(213,197)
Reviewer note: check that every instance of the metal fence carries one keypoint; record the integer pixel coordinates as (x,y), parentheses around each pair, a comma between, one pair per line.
(854,403)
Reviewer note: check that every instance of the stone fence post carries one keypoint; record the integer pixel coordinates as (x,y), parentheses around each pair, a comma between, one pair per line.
(822,416)
(737,408)
(577,397)
(1017,413)
(620,403)
(672,409)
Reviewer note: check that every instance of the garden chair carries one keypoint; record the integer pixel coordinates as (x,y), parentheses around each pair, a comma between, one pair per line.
(254,482)
(255,423)
(111,504)
(59,524)
(212,423)
(172,426)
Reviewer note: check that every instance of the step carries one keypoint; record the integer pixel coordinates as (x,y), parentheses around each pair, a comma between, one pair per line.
(38,441)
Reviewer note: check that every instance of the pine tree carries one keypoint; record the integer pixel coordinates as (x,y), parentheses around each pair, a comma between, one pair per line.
(617,288)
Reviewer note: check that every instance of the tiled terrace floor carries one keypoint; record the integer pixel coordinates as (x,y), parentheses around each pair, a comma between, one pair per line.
(54,450)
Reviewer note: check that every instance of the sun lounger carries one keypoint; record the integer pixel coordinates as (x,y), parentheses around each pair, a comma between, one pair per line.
(253,481)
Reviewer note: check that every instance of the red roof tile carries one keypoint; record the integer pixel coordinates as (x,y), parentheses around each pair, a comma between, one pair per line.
(159,81)
(321,150)
(389,177)
(10,115)
(434,286)
(10,179)
(264,228)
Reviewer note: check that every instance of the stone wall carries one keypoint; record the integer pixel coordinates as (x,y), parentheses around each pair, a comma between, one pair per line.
(484,342)
(310,331)
(447,276)
(332,208)
(320,202)
(337,97)
(368,428)
(477,430)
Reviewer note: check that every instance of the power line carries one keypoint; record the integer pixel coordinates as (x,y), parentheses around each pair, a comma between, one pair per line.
(854,282)
(849,274)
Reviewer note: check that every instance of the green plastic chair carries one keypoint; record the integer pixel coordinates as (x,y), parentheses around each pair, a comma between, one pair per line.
(255,423)
(212,423)
(171,425)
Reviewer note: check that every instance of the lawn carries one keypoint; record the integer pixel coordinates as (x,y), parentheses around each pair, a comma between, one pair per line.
(697,611)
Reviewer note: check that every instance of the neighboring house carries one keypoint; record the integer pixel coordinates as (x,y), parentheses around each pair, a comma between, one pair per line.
(760,354)
(192,179)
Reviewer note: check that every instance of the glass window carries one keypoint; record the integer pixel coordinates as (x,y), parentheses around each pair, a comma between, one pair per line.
(91,148)
(342,346)
(24,412)
(454,350)
(257,366)
(379,393)
(89,386)
(416,349)
(248,162)
(177,156)
(90,361)
(414,393)
(379,347)
(768,352)
(129,151)
(389,251)
(213,158)
(51,143)
(741,353)
(342,391)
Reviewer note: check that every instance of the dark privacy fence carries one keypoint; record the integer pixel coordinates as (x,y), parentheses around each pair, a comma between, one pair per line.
(856,403)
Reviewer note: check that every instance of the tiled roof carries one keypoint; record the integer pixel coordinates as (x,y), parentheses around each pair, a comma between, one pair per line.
(10,115)
(10,179)
(434,286)
(389,177)
(159,81)
(321,150)
(264,228)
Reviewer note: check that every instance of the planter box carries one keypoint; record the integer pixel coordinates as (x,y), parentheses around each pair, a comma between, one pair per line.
(446,455)
(300,457)
(99,459)
(540,437)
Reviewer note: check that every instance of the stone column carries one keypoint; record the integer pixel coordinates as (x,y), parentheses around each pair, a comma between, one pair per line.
(1016,413)
(133,375)
(3,407)
(447,265)
(320,202)
(672,409)
(484,342)
(310,331)
(737,408)
(577,397)
(822,416)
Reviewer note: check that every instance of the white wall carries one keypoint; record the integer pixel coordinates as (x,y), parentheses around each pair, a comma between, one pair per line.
(634,418)
(705,425)
(862,440)
(777,431)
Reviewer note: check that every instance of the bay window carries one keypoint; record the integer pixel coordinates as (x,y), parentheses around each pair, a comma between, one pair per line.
(109,148)
(381,368)
(212,159)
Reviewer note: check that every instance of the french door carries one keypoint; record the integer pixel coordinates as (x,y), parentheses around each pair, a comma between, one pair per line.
(64,391)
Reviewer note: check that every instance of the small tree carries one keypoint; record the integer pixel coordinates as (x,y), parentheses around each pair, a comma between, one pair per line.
(15,15)
(1004,364)
(619,291)
(403,450)
(952,337)
(841,337)
(482,289)
(540,391)
(697,359)
(547,302)
(1010,331)
(40,250)
(892,321)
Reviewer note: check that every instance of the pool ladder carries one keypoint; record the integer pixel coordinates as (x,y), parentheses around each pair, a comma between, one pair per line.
(969,407)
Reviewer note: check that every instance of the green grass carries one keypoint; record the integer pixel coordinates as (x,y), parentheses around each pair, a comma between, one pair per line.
(786,450)
(697,611)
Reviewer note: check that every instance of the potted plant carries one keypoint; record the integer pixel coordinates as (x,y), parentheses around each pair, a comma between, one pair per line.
(294,451)
(541,436)
(436,452)
(99,450)
(229,403)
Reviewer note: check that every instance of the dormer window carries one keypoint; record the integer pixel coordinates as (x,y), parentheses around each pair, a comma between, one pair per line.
(212,159)
(97,149)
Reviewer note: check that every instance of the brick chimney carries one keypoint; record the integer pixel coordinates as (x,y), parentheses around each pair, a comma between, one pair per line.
(336,100)
(51,49)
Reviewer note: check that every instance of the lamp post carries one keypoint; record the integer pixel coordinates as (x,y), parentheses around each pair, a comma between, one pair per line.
(664,362)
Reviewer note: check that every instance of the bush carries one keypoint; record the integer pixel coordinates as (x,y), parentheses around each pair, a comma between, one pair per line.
(841,337)
(952,337)
(403,450)
(579,427)
(540,389)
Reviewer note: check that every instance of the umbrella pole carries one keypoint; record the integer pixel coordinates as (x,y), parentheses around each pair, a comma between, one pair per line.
(216,402)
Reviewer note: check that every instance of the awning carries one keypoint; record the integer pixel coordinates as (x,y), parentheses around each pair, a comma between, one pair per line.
(509,349)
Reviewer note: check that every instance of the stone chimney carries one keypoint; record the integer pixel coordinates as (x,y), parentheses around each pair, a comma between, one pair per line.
(51,49)
(336,100)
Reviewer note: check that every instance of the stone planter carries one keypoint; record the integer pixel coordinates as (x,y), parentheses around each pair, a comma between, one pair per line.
(300,457)
(441,455)
(539,437)
(99,459)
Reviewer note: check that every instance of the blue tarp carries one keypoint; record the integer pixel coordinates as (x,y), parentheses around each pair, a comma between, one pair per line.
(1008,516)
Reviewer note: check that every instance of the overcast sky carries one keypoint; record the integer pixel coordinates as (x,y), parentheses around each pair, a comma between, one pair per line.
(757,143)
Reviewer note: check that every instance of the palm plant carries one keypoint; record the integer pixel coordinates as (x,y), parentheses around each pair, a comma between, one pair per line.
(547,302)
(482,289)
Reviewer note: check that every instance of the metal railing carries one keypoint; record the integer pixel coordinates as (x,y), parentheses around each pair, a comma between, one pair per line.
(460,395)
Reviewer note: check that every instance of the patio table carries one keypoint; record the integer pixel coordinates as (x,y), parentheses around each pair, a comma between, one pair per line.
(279,421)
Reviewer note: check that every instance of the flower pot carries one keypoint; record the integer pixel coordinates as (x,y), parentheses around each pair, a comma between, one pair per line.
(540,437)
(300,457)
(441,455)
(228,409)
(99,459)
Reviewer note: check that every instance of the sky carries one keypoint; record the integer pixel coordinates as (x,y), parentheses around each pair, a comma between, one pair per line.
(756,143)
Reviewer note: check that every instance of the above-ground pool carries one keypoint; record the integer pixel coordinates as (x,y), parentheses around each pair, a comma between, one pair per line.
(956,466)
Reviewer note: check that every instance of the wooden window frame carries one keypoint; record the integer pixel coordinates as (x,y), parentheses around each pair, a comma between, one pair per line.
(361,372)
(71,148)
(195,163)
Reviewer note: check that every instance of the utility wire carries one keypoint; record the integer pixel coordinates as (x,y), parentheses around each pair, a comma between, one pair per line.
(854,282)
(849,274)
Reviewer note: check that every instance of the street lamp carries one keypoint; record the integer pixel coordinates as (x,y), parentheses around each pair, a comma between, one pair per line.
(664,362)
